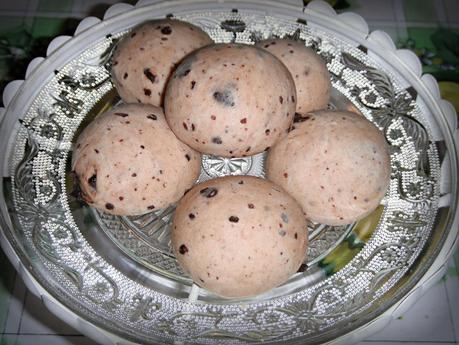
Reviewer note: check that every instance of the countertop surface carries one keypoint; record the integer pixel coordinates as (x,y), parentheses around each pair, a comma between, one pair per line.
(26,27)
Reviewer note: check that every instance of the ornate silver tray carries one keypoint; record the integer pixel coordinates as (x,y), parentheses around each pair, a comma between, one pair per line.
(116,279)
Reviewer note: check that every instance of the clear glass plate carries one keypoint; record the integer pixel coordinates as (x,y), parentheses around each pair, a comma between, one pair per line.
(119,272)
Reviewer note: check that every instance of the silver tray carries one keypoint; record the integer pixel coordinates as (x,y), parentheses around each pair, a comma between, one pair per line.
(115,278)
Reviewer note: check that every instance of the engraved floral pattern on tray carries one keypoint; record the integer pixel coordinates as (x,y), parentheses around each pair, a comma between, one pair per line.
(49,231)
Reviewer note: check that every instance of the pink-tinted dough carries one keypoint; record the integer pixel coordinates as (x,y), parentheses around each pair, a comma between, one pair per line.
(335,164)
(129,162)
(239,236)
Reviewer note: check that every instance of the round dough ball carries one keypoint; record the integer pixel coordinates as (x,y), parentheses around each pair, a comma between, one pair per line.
(239,236)
(335,164)
(308,70)
(230,100)
(145,58)
(128,162)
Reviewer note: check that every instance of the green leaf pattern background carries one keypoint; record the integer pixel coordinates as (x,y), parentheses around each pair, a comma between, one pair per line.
(428,27)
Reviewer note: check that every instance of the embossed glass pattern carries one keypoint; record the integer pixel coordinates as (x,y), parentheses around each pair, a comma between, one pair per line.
(119,272)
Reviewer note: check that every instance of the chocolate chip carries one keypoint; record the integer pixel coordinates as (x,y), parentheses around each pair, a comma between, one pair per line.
(209,192)
(125,75)
(185,126)
(121,198)
(92,181)
(284,217)
(183,249)
(247,149)
(217,140)
(251,206)
(241,182)
(193,127)
(267,131)
(285,175)
(134,175)
(150,76)
(281,99)
(213,117)
(191,216)
(296,236)
(233,25)
(293,98)
(151,207)
(96,150)
(233,219)
(147,92)
(225,97)
(300,118)
(109,206)
(187,156)
(193,83)
(244,120)
(121,114)
(302,268)
(133,34)
(166,30)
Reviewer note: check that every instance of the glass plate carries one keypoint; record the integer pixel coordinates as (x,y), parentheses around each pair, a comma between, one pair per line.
(119,273)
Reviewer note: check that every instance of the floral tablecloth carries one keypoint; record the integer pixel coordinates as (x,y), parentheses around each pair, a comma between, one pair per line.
(428,27)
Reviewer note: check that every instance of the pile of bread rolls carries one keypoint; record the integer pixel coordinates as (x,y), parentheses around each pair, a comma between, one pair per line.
(184,96)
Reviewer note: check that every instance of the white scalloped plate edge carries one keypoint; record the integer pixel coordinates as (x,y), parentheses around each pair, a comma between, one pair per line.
(10,91)
(86,23)
(56,43)
(2,113)
(352,20)
(33,65)
(117,9)
(357,23)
